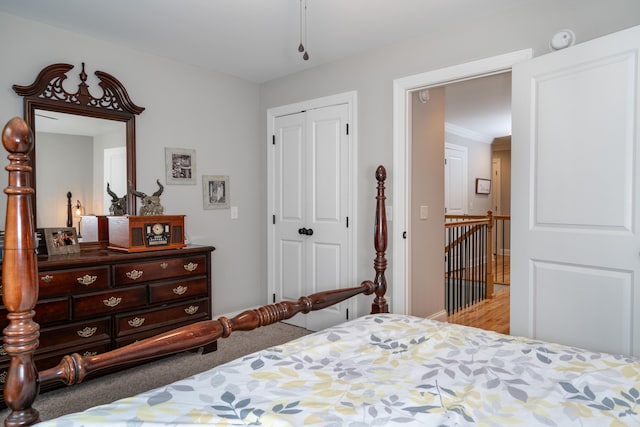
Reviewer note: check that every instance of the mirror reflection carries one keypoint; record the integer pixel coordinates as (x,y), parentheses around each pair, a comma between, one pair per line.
(80,155)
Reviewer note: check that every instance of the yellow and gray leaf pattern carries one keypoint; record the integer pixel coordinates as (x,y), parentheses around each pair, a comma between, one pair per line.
(394,370)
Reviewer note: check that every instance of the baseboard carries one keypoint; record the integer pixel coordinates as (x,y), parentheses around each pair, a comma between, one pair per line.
(440,316)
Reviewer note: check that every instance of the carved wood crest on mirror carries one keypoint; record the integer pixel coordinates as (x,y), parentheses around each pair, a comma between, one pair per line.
(82,142)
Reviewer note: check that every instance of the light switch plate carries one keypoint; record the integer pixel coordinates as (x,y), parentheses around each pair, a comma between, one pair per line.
(424,212)
(234,212)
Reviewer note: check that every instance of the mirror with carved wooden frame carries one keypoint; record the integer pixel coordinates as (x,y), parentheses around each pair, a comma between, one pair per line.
(47,93)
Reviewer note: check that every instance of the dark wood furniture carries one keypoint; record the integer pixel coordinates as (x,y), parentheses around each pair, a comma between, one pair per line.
(96,301)
(47,93)
(20,295)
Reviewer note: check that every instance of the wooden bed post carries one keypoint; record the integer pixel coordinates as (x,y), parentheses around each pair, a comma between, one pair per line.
(380,241)
(20,278)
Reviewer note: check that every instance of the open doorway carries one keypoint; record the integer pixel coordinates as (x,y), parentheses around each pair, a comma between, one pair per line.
(430,292)
(462,120)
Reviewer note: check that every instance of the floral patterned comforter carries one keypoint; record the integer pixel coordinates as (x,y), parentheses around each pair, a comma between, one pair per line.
(392,369)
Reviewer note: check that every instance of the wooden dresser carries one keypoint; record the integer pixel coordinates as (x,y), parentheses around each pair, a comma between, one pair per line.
(99,300)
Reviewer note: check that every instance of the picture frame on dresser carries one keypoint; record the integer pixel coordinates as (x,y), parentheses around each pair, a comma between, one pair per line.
(61,240)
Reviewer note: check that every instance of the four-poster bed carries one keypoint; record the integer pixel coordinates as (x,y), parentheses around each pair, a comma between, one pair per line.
(375,370)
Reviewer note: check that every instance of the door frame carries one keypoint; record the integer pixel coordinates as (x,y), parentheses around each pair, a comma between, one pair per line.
(402,88)
(351,99)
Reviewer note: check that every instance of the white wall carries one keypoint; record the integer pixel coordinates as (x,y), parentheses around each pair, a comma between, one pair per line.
(464,40)
(215,114)
(69,159)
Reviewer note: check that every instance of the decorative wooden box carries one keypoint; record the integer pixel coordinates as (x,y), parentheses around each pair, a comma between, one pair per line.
(146,233)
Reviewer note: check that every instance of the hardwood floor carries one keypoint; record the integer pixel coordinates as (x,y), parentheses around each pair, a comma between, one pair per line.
(490,314)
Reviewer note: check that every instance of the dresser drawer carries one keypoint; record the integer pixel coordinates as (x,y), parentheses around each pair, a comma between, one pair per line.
(177,290)
(160,317)
(108,302)
(49,311)
(125,274)
(74,335)
(52,310)
(63,282)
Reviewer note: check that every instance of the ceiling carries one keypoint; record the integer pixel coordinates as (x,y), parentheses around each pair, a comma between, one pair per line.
(255,40)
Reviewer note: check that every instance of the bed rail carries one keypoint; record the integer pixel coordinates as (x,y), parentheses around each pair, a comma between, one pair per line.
(20,294)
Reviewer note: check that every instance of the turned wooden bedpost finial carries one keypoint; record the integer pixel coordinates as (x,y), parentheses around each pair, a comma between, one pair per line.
(380,240)
(20,278)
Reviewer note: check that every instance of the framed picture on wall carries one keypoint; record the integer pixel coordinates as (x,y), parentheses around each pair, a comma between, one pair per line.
(215,191)
(483,186)
(180,165)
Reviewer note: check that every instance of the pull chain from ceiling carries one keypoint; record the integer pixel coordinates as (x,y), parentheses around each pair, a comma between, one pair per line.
(303,30)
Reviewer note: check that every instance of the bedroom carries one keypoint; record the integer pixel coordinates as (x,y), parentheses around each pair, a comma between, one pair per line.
(239,106)
(227,114)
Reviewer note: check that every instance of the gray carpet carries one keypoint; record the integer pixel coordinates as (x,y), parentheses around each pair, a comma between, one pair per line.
(135,380)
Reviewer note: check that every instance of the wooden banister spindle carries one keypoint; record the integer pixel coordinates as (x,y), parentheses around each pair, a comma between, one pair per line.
(20,278)
(380,241)
(489,288)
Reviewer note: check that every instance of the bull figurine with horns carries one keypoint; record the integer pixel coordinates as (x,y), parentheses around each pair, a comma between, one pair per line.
(150,205)
(118,204)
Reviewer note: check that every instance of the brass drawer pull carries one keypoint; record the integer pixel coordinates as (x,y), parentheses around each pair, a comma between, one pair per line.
(136,322)
(191,266)
(112,301)
(87,332)
(47,278)
(164,265)
(180,290)
(3,352)
(192,309)
(89,353)
(3,377)
(87,280)
(134,274)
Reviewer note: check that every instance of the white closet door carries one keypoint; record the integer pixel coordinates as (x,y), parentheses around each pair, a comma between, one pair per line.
(312,197)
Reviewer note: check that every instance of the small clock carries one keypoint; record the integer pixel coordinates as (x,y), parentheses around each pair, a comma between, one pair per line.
(157,229)
(158,234)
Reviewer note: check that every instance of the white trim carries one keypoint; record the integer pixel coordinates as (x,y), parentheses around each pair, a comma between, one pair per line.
(466,133)
(402,87)
(440,316)
(351,99)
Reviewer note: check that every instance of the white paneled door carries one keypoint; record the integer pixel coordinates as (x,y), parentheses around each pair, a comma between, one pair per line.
(575,272)
(311,203)
(455,179)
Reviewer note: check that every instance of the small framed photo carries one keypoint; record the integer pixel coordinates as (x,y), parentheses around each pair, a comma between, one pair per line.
(483,186)
(215,191)
(180,165)
(62,240)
